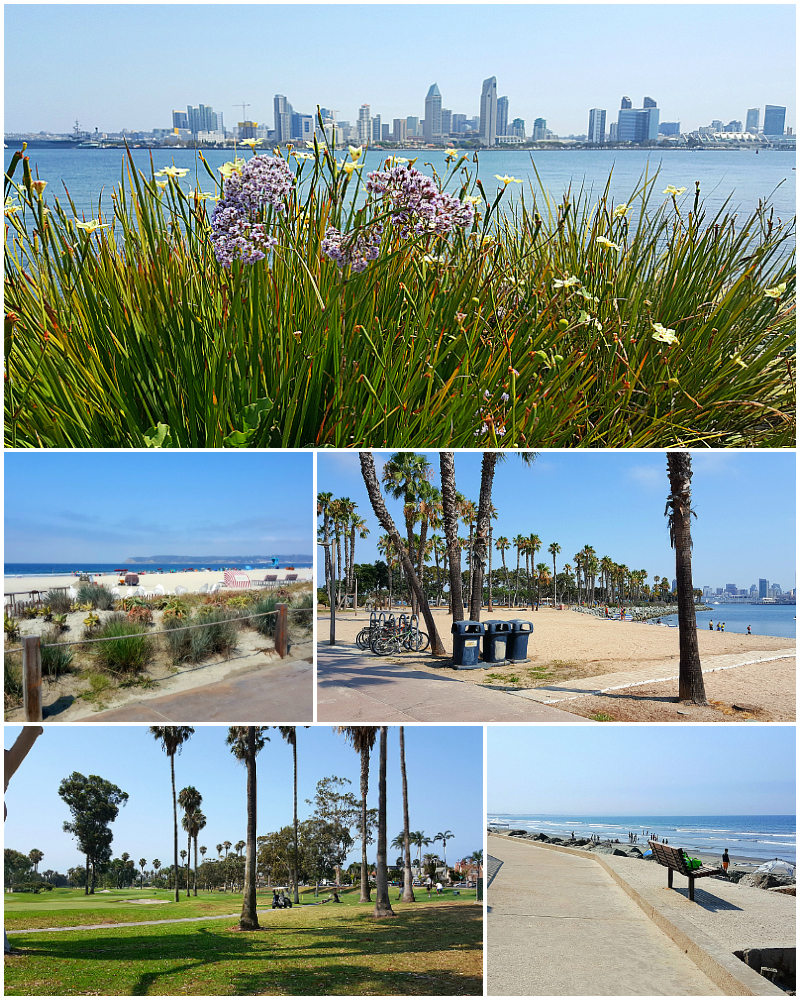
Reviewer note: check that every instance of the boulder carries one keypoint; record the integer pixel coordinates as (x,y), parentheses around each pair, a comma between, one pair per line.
(764,880)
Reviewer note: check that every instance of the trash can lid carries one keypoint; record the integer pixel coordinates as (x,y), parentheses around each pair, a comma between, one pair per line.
(466,627)
(497,625)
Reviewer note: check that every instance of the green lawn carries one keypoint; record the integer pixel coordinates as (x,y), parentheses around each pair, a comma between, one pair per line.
(432,947)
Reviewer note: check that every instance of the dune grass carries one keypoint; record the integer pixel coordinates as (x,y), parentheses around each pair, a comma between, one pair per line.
(428,948)
(566,321)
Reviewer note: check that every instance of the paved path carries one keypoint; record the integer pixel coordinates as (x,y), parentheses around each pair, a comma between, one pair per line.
(559,925)
(354,687)
(552,694)
(284,692)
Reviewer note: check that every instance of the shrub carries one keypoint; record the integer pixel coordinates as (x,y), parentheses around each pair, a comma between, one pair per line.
(12,680)
(11,627)
(302,611)
(127,649)
(57,657)
(97,595)
(175,608)
(58,600)
(265,625)
(140,615)
(221,634)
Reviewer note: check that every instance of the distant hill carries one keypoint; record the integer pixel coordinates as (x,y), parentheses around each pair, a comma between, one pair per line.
(284,558)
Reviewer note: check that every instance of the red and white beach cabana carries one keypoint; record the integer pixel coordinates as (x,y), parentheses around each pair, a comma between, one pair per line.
(236,579)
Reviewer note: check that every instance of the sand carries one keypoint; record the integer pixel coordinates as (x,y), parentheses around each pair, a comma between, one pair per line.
(193,581)
(567,645)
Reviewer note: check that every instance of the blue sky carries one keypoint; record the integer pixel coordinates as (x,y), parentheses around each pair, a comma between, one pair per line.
(445,786)
(612,770)
(109,506)
(699,61)
(614,501)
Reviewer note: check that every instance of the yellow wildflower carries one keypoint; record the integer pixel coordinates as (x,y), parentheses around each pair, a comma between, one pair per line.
(172,172)
(607,243)
(621,210)
(39,186)
(776,292)
(663,334)
(232,167)
(91,226)
(355,152)
(508,180)
(675,192)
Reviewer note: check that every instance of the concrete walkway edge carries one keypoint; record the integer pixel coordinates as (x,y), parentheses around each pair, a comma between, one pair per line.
(721,967)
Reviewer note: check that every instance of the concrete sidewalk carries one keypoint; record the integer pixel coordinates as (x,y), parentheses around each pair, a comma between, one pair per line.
(358,687)
(608,925)
(282,692)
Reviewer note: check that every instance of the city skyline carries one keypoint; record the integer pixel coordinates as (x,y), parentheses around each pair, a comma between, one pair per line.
(140,96)
(614,501)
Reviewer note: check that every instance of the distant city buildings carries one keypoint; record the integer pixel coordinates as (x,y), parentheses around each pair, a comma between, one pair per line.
(774,120)
(637,125)
(597,126)
(488,125)
(761,592)
(502,116)
(433,114)
(753,118)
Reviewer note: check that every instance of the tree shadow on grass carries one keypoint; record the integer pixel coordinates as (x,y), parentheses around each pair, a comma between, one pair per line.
(356,955)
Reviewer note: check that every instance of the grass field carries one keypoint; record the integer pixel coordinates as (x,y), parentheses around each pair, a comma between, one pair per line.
(432,947)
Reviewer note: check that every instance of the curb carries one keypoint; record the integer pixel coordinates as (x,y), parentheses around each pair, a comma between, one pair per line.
(722,967)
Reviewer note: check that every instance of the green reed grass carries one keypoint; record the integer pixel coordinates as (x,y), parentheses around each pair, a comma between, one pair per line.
(135,336)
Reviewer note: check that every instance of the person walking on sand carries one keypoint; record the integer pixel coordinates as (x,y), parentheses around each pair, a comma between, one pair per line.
(748,630)
(711,626)
(725,860)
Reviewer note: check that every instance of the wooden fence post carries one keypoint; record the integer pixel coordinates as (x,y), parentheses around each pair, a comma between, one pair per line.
(32,678)
(281,630)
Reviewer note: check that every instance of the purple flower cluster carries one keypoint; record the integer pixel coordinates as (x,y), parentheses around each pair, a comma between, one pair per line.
(355,249)
(237,232)
(418,202)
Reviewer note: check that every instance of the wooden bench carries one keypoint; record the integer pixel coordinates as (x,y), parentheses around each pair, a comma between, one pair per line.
(673,860)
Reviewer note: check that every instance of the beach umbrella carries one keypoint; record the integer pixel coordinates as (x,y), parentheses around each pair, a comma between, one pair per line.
(777,867)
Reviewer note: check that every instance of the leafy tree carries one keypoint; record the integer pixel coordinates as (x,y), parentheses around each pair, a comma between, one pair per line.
(246,742)
(275,855)
(172,739)
(321,849)
(94,804)
(16,866)
(339,810)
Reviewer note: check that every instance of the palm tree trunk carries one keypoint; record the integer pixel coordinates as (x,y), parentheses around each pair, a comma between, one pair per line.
(386,522)
(408,880)
(248,921)
(450,519)
(679,505)
(296,862)
(365,893)
(175,826)
(383,907)
(478,554)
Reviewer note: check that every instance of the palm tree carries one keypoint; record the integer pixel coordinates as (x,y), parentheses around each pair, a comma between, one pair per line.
(438,548)
(385,520)
(554,549)
(289,733)
(542,577)
(190,801)
(227,845)
(519,544)
(503,545)
(362,740)
(142,863)
(450,521)
(383,908)
(156,866)
(172,739)
(419,840)
(403,478)
(239,846)
(444,837)
(679,510)
(534,543)
(483,523)
(246,742)
(35,855)
(408,881)
(357,526)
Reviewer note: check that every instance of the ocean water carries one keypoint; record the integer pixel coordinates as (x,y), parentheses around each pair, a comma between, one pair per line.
(763,619)
(60,569)
(757,837)
(742,176)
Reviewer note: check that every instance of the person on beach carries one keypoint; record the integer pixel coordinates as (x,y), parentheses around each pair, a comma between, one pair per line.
(711,626)
(725,860)
(13,758)
(748,630)
(723,626)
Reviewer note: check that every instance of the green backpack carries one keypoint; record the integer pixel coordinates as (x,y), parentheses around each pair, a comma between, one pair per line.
(692,863)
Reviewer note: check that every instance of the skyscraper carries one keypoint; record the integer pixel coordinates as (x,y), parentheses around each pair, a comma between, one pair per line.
(637,124)
(597,125)
(180,119)
(518,128)
(433,114)
(502,116)
(399,129)
(363,125)
(774,119)
(447,121)
(763,587)
(488,126)
(376,129)
(626,104)
(202,119)
(539,129)
(412,125)
(283,118)
(753,118)
(649,103)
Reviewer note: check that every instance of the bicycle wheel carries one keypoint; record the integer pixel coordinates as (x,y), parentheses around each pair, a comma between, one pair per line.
(417,641)
(383,645)
(364,638)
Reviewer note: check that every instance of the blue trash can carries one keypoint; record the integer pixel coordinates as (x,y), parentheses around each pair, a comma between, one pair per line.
(466,644)
(517,648)
(495,637)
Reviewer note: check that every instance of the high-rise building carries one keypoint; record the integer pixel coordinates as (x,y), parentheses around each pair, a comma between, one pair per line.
(180,119)
(669,128)
(649,103)
(753,118)
(412,125)
(447,121)
(774,119)
(203,119)
(386,129)
(732,126)
(626,104)
(597,126)
(638,124)
(433,113)
(488,125)
(518,128)
(502,116)
(458,123)
(399,127)
(247,130)
(376,129)
(763,587)
(283,118)
(612,132)
(731,588)
(363,125)
(539,129)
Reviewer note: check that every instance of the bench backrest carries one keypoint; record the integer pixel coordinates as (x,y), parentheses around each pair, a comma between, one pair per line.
(670,857)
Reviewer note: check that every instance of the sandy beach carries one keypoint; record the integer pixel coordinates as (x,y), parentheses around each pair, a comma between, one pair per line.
(566,646)
(148,579)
